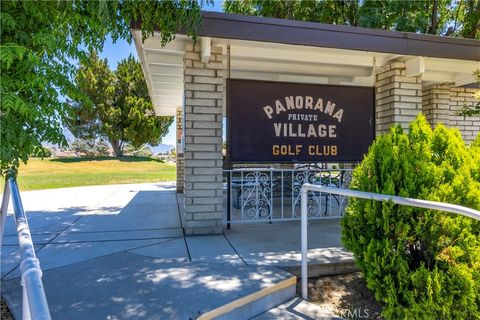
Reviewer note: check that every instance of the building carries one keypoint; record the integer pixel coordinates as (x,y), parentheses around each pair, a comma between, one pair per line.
(407,74)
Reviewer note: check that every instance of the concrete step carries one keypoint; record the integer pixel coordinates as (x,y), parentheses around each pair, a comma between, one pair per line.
(255,303)
(130,286)
(278,245)
(297,309)
(322,267)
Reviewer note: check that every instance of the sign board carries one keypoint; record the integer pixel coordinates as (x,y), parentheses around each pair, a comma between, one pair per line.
(295,122)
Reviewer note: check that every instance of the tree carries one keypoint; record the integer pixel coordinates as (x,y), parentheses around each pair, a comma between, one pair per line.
(474,109)
(439,17)
(143,151)
(89,148)
(116,105)
(40,43)
(421,264)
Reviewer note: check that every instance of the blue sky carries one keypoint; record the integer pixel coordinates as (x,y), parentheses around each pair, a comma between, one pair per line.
(114,52)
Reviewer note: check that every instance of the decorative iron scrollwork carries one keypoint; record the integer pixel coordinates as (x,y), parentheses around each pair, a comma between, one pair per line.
(274,195)
(256,198)
(314,198)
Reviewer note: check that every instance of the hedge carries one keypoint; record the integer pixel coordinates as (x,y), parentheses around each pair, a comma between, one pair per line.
(420,264)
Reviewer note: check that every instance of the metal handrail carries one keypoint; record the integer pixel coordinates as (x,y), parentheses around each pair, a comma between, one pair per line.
(3,211)
(434,205)
(34,305)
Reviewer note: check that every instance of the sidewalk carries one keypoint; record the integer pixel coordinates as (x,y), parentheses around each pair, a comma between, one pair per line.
(119,252)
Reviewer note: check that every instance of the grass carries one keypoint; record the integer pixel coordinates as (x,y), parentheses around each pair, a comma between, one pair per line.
(72,172)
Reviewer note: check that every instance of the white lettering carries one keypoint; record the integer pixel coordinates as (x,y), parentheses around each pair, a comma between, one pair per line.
(299,102)
(301,134)
(279,106)
(331,131)
(290,103)
(308,102)
(278,129)
(311,131)
(322,130)
(304,102)
(330,107)
(319,105)
(290,131)
(298,130)
(268,110)
(338,115)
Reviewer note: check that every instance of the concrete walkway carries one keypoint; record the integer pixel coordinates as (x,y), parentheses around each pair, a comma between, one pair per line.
(119,252)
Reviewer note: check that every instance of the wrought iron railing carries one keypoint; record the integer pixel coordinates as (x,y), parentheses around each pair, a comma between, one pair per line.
(306,188)
(265,195)
(34,305)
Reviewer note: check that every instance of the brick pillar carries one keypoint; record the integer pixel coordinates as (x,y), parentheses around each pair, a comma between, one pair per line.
(203,142)
(468,126)
(399,98)
(180,157)
(442,103)
(436,104)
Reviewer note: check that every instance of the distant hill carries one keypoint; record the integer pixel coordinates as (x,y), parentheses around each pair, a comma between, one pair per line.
(162,148)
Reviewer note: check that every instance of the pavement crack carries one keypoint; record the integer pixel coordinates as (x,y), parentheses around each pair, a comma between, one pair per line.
(233,248)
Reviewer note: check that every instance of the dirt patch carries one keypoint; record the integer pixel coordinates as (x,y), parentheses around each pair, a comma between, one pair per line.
(346,295)
(5,313)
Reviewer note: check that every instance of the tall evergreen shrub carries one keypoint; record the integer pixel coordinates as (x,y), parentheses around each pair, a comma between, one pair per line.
(475,150)
(420,264)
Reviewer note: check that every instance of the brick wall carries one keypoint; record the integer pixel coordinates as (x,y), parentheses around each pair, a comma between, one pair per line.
(180,156)
(442,104)
(398,98)
(469,126)
(436,104)
(203,141)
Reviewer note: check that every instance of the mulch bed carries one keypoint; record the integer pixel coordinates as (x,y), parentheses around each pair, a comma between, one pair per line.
(346,295)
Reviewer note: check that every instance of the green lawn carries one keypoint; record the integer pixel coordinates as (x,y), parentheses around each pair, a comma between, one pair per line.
(72,172)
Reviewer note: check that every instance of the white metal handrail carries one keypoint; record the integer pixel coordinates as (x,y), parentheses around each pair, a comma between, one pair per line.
(434,205)
(34,305)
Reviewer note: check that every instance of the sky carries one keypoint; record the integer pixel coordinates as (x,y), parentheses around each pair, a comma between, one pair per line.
(115,52)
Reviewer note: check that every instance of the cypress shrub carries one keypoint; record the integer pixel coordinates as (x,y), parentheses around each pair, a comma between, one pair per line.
(475,150)
(420,264)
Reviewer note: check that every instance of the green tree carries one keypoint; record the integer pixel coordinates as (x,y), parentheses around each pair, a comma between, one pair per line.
(473,109)
(89,147)
(143,151)
(421,264)
(115,105)
(439,17)
(40,42)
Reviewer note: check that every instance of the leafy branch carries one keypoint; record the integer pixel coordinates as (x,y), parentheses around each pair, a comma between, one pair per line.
(473,110)
(40,41)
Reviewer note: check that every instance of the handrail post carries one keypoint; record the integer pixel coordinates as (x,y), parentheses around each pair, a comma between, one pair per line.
(4,210)
(304,238)
(33,292)
(25,305)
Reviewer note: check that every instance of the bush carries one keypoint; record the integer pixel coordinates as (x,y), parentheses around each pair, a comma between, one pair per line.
(89,148)
(143,151)
(43,152)
(421,264)
(476,142)
(475,150)
(102,149)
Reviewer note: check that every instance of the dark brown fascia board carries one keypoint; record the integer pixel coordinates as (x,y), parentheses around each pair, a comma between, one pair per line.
(254,28)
